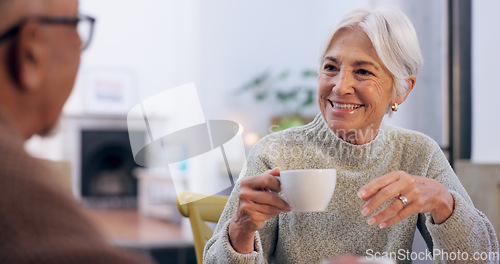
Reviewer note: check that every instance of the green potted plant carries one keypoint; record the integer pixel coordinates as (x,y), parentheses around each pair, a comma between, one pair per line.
(293,92)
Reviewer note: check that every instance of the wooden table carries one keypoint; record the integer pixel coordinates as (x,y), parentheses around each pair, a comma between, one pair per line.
(126,228)
(129,225)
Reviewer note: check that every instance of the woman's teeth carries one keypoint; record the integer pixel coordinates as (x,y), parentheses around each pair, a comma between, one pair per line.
(345,106)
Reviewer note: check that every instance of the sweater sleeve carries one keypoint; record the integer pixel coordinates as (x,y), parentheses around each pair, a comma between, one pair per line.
(219,249)
(467,229)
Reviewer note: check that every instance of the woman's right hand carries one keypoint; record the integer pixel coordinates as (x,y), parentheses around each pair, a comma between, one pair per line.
(256,204)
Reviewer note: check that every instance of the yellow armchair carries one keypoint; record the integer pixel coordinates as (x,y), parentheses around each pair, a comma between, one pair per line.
(202,209)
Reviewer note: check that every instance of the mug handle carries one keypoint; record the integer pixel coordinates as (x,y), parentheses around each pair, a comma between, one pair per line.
(279,195)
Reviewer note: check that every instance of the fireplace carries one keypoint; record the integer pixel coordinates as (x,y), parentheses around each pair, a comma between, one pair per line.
(102,161)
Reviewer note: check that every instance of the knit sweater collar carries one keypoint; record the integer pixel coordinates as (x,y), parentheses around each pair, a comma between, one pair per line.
(345,153)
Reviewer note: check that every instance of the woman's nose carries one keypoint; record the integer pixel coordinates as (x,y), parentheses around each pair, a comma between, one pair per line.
(343,83)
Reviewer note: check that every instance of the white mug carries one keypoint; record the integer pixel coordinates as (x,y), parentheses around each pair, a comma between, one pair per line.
(308,190)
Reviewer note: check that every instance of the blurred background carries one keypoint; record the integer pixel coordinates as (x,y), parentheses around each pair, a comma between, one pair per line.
(255,63)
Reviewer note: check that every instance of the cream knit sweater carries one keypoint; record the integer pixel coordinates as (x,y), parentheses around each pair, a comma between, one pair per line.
(293,237)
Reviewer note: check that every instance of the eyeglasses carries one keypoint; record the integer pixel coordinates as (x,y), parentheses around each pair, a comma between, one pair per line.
(85,27)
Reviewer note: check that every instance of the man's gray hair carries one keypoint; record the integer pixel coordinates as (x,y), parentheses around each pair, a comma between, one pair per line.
(393,37)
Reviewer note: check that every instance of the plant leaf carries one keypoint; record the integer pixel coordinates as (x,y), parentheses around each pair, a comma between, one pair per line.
(261,96)
(261,78)
(309,73)
(286,95)
(310,98)
(256,82)
(283,75)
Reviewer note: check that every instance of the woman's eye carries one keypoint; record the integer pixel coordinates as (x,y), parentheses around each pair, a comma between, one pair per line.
(329,67)
(363,72)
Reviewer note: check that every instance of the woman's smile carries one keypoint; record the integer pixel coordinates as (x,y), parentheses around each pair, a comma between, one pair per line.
(344,107)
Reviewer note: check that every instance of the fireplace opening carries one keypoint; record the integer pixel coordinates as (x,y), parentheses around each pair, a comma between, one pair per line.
(106,169)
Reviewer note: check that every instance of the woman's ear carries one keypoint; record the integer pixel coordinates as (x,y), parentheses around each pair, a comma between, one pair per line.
(29,57)
(411,83)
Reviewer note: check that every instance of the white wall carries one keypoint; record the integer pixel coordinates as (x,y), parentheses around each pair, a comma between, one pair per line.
(485,84)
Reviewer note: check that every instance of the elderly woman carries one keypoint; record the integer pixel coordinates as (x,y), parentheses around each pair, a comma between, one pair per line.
(390,180)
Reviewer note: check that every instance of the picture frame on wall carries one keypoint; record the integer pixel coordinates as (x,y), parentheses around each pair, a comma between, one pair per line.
(109,91)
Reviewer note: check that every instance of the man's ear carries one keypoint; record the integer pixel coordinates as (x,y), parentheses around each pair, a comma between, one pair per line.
(29,57)
(411,83)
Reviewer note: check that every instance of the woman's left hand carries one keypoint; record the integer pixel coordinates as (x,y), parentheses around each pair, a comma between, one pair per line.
(423,195)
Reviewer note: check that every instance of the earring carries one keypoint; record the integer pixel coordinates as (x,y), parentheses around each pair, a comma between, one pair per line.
(395,107)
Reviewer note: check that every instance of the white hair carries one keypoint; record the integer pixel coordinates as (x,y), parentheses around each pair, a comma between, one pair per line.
(393,37)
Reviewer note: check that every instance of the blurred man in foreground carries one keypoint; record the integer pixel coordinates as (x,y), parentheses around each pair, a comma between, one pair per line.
(39,56)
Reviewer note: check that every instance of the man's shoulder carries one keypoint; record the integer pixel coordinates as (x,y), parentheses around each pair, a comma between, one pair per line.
(20,170)
(12,147)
